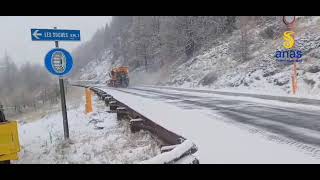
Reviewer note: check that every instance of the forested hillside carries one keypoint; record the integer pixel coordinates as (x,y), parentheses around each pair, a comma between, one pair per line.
(26,87)
(152,42)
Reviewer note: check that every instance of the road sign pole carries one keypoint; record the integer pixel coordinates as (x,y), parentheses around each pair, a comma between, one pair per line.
(64,110)
(295,66)
(289,21)
(63,103)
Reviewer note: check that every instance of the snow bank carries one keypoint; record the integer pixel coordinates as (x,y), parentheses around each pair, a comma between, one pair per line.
(95,138)
(171,156)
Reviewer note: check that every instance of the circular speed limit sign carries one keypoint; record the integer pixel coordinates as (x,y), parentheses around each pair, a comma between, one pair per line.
(288,20)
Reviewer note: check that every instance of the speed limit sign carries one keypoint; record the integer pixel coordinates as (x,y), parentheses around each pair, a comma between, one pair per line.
(289,20)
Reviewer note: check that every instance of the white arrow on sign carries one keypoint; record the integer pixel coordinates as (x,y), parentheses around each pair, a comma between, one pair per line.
(36,34)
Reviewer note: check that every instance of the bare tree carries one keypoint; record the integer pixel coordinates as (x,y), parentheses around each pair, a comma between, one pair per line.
(155,41)
(22,87)
(244,20)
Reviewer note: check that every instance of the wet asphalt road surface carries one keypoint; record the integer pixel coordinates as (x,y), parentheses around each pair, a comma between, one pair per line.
(301,125)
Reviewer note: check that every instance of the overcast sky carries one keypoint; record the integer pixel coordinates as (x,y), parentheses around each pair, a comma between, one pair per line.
(16,36)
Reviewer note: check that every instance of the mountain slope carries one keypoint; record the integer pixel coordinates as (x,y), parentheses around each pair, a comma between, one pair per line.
(220,66)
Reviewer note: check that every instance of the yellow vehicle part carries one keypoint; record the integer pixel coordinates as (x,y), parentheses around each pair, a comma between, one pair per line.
(9,141)
(13,156)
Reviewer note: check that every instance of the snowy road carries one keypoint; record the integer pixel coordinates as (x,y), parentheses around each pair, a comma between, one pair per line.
(297,122)
(300,124)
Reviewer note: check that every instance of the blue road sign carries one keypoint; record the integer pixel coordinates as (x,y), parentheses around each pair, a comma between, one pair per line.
(55,35)
(59,62)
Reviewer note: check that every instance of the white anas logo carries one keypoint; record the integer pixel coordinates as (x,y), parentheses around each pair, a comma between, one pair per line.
(58,62)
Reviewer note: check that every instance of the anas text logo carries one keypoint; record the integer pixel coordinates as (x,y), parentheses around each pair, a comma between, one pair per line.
(288,39)
(290,54)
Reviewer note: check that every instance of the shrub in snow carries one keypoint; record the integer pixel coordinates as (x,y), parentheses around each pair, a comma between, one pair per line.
(313,69)
(271,32)
(309,81)
(210,78)
(280,82)
(269,73)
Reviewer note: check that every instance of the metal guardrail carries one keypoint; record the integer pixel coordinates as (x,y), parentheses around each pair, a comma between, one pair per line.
(167,136)
(139,121)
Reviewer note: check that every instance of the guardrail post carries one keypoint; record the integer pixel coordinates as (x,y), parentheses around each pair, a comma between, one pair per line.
(136,124)
(107,100)
(121,113)
(113,105)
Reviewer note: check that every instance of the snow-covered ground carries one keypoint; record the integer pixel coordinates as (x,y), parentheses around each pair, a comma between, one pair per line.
(219,68)
(217,141)
(95,138)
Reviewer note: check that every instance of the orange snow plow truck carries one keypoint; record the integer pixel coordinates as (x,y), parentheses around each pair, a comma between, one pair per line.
(119,77)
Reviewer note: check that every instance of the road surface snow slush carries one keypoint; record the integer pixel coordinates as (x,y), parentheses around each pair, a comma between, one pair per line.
(95,138)
(205,120)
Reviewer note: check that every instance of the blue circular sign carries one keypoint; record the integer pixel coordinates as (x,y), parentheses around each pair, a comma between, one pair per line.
(59,62)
